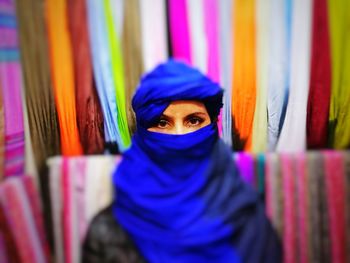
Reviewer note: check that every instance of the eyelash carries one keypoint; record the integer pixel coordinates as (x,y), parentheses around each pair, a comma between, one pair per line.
(163,121)
(198,121)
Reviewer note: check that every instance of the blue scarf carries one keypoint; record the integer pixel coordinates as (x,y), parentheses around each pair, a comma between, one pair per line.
(179,196)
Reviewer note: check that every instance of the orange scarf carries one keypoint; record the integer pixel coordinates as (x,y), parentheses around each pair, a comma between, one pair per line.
(244,73)
(63,75)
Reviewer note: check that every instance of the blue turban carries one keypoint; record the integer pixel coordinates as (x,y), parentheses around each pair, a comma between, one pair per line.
(173,81)
(180,197)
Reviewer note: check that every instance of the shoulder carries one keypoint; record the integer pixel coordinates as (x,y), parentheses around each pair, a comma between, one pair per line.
(107,241)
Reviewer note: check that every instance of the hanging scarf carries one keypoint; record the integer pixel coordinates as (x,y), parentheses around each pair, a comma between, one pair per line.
(101,61)
(10,78)
(226,55)
(339,110)
(132,54)
(89,115)
(180,196)
(117,67)
(279,68)
(320,78)
(63,75)
(153,32)
(244,73)
(259,137)
(179,30)
(293,136)
(2,132)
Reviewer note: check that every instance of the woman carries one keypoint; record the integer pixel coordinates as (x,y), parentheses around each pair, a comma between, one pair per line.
(179,197)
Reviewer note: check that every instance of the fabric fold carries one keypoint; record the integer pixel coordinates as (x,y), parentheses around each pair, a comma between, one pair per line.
(89,115)
(320,78)
(62,72)
(244,74)
(11,84)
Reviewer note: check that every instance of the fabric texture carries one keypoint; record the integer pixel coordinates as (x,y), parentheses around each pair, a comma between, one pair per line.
(244,74)
(42,115)
(176,212)
(11,84)
(289,212)
(335,190)
(259,137)
(2,133)
(80,188)
(320,78)
(19,204)
(89,115)
(179,31)
(132,55)
(62,72)
(302,206)
(117,69)
(101,61)
(197,33)
(293,134)
(226,57)
(279,68)
(339,111)
(154,32)
(108,242)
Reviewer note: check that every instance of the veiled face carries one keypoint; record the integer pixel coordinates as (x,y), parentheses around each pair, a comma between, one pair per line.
(182,117)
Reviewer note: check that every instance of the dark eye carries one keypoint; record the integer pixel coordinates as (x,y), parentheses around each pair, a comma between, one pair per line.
(194,121)
(162,123)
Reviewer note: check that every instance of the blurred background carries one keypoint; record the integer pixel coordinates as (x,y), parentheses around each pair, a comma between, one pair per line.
(69,68)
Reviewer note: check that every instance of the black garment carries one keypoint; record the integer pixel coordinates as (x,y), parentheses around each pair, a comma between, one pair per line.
(107,242)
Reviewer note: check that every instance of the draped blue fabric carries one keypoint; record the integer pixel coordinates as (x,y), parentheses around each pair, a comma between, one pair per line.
(173,81)
(179,196)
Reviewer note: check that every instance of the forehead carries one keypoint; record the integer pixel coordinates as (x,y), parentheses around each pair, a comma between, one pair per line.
(184,107)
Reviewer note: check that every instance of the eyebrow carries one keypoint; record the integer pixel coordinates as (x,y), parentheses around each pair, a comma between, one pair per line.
(189,115)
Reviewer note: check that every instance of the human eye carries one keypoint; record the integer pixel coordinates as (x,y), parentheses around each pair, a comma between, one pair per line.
(162,124)
(194,121)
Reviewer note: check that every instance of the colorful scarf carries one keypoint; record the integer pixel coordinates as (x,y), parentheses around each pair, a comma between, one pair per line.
(20,212)
(320,78)
(339,111)
(154,32)
(89,115)
(180,197)
(179,30)
(11,81)
(132,54)
(293,136)
(259,139)
(62,72)
(279,68)
(2,132)
(244,73)
(226,55)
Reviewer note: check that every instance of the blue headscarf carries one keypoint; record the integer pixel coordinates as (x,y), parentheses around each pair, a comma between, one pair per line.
(179,196)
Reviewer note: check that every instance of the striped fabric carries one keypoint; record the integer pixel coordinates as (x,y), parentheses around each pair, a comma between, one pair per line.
(11,82)
(80,188)
(2,134)
(20,209)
